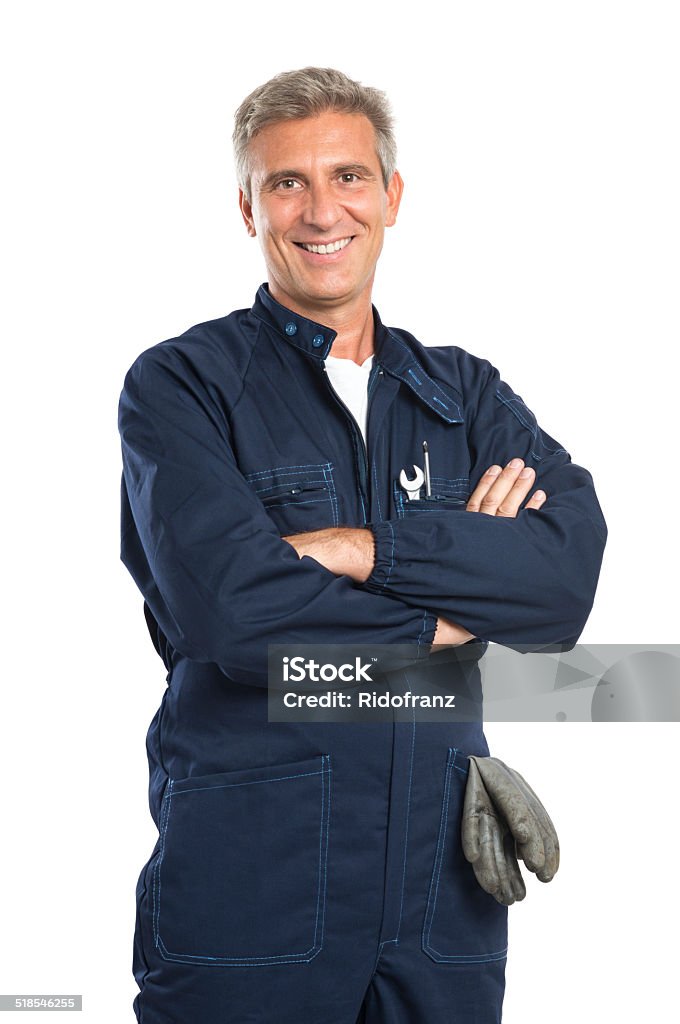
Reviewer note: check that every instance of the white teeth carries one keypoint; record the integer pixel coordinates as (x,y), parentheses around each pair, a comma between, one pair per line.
(324,249)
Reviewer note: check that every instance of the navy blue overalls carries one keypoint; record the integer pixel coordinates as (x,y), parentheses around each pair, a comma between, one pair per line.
(312,873)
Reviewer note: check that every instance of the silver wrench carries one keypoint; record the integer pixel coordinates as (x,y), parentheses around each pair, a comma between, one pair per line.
(412,487)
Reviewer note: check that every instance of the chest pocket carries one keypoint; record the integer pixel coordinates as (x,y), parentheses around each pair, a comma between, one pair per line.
(447,496)
(298,498)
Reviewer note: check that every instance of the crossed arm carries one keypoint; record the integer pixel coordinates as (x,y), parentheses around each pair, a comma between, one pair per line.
(350,551)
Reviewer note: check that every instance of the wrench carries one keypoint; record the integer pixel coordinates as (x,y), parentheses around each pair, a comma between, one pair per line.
(412,487)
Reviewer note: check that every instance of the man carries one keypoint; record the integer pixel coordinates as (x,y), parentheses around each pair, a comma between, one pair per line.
(313,872)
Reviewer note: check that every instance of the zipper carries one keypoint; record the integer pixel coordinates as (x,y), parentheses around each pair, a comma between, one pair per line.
(359,443)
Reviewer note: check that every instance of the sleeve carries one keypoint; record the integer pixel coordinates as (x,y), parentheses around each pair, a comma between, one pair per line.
(210,563)
(527,582)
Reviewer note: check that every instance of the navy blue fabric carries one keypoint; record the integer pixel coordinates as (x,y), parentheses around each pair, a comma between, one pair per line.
(316,868)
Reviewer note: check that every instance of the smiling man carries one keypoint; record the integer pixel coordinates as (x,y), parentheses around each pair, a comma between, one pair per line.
(313,872)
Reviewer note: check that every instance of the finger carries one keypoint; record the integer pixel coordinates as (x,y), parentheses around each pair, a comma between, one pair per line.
(536,500)
(517,882)
(550,841)
(501,487)
(552,861)
(505,892)
(517,808)
(480,491)
(486,865)
(475,805)
(512,502)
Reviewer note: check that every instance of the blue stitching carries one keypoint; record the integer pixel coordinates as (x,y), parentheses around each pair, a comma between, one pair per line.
(252,782)
(422,632)
(303,483)
(330,483)
(399,500)
(286,470)
(377,490)
(323,841)
(532,428)
(325,861)
(376,371)
(432,896)
(385,942)
(415,377)
(389,571)
(292,958)
(404,507)
(274,958)
(157,867)
(400,342)
(411,356)
(419,511)
(439,855)
(359,457)
(408,812)
(318,891)
(471,958)
(435,399)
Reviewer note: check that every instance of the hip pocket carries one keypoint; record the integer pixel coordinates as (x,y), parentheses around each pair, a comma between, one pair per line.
(463,923)
(241,875)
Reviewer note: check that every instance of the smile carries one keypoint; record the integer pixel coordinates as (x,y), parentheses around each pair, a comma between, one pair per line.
(327,248)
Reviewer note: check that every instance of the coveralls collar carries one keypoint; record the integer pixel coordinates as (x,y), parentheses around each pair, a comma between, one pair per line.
(391,353)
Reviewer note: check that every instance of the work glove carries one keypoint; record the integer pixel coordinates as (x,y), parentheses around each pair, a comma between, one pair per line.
(504,820)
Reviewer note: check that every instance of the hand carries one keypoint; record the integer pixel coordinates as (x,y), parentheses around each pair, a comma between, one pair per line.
(449,634)
(503,819)
(344,550)
(501,492)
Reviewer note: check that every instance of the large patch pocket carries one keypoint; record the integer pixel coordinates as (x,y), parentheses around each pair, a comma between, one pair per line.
(240,880)
(463,923)
(298,498)
(447,496)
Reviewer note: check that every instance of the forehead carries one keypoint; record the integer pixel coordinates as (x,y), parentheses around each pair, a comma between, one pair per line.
(331,138)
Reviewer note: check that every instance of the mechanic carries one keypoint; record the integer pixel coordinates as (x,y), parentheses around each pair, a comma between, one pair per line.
(312,873)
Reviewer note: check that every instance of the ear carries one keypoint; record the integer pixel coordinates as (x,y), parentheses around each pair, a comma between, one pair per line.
(395,189)
(246,212)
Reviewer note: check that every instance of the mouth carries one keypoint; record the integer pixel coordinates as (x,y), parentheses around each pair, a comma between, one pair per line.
(325,248)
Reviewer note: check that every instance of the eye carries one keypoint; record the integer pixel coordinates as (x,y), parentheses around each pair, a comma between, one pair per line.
(349,177)
(288,184)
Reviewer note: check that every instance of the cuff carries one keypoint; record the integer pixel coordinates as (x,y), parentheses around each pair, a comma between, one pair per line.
(377,582)
(383,535)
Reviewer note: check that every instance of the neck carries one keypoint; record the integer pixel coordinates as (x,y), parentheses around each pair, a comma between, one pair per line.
(352,322)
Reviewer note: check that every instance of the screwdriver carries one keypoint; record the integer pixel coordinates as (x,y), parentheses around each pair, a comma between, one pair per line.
(426,456)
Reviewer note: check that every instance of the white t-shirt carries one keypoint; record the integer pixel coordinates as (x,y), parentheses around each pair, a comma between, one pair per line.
(351,383)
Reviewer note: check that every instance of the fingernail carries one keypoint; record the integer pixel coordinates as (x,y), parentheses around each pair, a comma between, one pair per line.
(540,495)
(527,471)
(493,471)
(515,464)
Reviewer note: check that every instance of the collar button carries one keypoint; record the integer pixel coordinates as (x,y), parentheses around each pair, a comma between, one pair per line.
(318,340)
(290,329)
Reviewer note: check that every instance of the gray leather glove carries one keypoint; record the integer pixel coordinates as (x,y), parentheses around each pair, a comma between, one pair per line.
(504,820)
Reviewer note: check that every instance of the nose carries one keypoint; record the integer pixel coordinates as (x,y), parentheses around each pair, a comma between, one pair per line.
(322,209)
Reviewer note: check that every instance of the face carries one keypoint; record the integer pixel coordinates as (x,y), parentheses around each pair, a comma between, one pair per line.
(319,208)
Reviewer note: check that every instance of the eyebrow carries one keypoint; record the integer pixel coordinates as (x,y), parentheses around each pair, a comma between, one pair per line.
(281,175)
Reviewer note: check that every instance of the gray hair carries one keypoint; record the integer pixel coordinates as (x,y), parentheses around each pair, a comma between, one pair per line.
(306,93)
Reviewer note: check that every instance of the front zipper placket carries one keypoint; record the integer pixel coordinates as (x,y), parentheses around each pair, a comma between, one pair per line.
(361,454)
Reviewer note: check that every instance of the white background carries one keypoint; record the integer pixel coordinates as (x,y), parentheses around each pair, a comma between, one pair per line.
(539,228)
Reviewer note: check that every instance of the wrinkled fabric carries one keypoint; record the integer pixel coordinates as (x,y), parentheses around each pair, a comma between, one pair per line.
(317,868)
